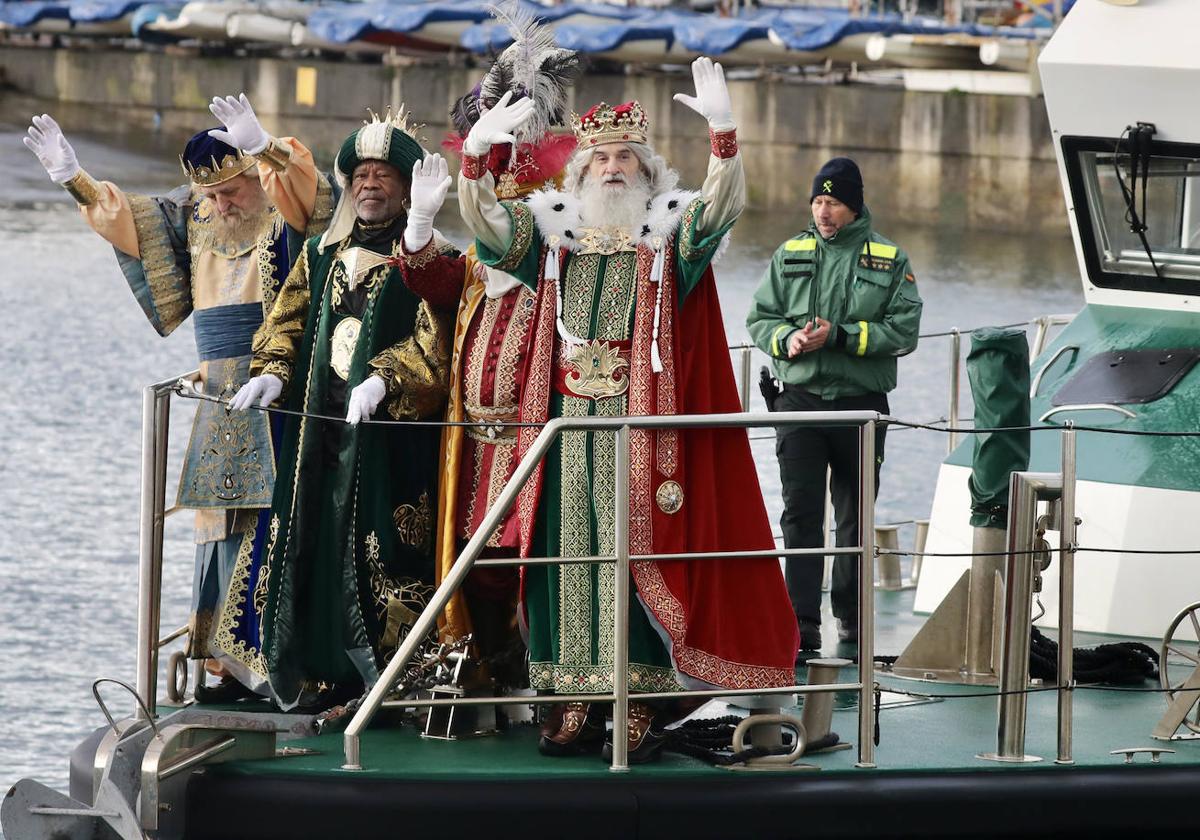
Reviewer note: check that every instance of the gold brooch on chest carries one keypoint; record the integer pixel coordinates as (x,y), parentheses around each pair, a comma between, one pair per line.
(596,371)
(605,240)
(359,262)
(342,344)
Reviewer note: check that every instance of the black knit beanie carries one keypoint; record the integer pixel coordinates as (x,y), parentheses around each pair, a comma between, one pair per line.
(841,179)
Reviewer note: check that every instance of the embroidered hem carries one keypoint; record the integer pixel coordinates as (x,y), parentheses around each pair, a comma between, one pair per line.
(588,679)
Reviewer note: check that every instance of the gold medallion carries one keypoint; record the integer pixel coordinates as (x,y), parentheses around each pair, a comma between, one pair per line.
(605,240)
(341,350)
(597,371)
(669,497)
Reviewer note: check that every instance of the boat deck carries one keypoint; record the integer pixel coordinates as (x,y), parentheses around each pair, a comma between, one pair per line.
(928,780)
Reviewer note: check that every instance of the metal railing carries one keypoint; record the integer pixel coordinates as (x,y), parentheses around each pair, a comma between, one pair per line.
(623,426)
(1041,324)
(156,405)
(156,423)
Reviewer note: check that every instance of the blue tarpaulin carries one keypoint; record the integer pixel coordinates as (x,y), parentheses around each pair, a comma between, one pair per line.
(346,22)
(99,11)
(596,39)
(808,31)
(150,13)
(711,35)
(586,27)
(29,12)
(491,37)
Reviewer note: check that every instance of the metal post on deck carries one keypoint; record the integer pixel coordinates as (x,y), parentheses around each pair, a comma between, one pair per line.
(955,384)
(744,383)
(1023,493)
(156,417)
(866,595)
(1066,597)
(620,738)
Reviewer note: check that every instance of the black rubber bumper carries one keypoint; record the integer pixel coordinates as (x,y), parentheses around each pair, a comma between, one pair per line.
(1120,801)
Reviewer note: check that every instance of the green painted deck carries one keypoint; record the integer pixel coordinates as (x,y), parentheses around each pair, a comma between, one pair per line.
(940,736)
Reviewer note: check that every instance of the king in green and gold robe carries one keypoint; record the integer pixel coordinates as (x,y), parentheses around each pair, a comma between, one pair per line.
(350,544)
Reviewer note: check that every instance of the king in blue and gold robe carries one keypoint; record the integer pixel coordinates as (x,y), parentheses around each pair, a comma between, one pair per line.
(180,262)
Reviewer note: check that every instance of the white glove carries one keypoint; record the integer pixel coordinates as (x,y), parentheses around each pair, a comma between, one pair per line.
(712,96)
(364,399)
(45,139)
(265,389)
(430,181)
(497,125)
(242,128)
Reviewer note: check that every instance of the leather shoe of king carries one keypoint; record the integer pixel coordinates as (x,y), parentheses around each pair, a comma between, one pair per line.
(644,743)
(228,690)
(581,731)
(552,722)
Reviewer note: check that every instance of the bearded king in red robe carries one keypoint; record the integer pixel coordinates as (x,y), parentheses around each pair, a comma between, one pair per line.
(627,322)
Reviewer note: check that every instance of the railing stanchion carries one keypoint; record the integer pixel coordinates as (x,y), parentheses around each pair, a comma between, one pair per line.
(156,417)
(1025,490)
(955,385)
(1066,597)
(744,383)
(620,741)
(866,595)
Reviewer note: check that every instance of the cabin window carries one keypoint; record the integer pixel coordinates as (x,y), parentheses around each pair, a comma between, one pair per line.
(1166,202)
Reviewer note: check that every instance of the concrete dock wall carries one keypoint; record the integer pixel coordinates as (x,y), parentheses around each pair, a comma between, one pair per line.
(956,159)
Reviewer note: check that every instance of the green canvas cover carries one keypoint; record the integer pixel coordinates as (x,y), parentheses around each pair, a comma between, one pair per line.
(998,370)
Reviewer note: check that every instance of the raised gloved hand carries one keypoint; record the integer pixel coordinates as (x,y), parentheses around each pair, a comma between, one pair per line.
(712,96)
(45,139)
(497,125)
(263,389)
(364,399)
(242,128)
(430,181)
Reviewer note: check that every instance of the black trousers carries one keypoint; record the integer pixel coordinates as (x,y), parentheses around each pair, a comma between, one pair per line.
(805,452)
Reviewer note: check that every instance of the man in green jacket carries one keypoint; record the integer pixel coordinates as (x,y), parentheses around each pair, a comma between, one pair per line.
(836,307)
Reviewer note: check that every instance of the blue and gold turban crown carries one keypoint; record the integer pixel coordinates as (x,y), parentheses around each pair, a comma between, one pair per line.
(207,161)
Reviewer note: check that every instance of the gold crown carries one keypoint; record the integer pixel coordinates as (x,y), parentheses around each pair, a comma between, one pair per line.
(209,176)
(399,119)
(606,124)
(375,137)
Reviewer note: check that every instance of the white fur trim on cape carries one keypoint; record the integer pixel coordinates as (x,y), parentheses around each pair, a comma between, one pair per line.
(556,214)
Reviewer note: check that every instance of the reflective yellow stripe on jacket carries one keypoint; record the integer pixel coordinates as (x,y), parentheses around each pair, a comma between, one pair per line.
(878,249)
(780,331)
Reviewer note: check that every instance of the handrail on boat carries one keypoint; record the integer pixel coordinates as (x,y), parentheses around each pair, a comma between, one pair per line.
(623,426)
(156,404)
(156,421)
(1041,324)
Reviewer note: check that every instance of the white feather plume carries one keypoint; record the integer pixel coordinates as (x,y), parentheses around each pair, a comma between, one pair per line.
(534,65)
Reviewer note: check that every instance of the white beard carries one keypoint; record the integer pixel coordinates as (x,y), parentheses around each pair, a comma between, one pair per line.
(604,206)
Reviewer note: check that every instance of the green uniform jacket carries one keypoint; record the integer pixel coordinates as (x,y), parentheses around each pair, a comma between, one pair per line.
(859,282)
